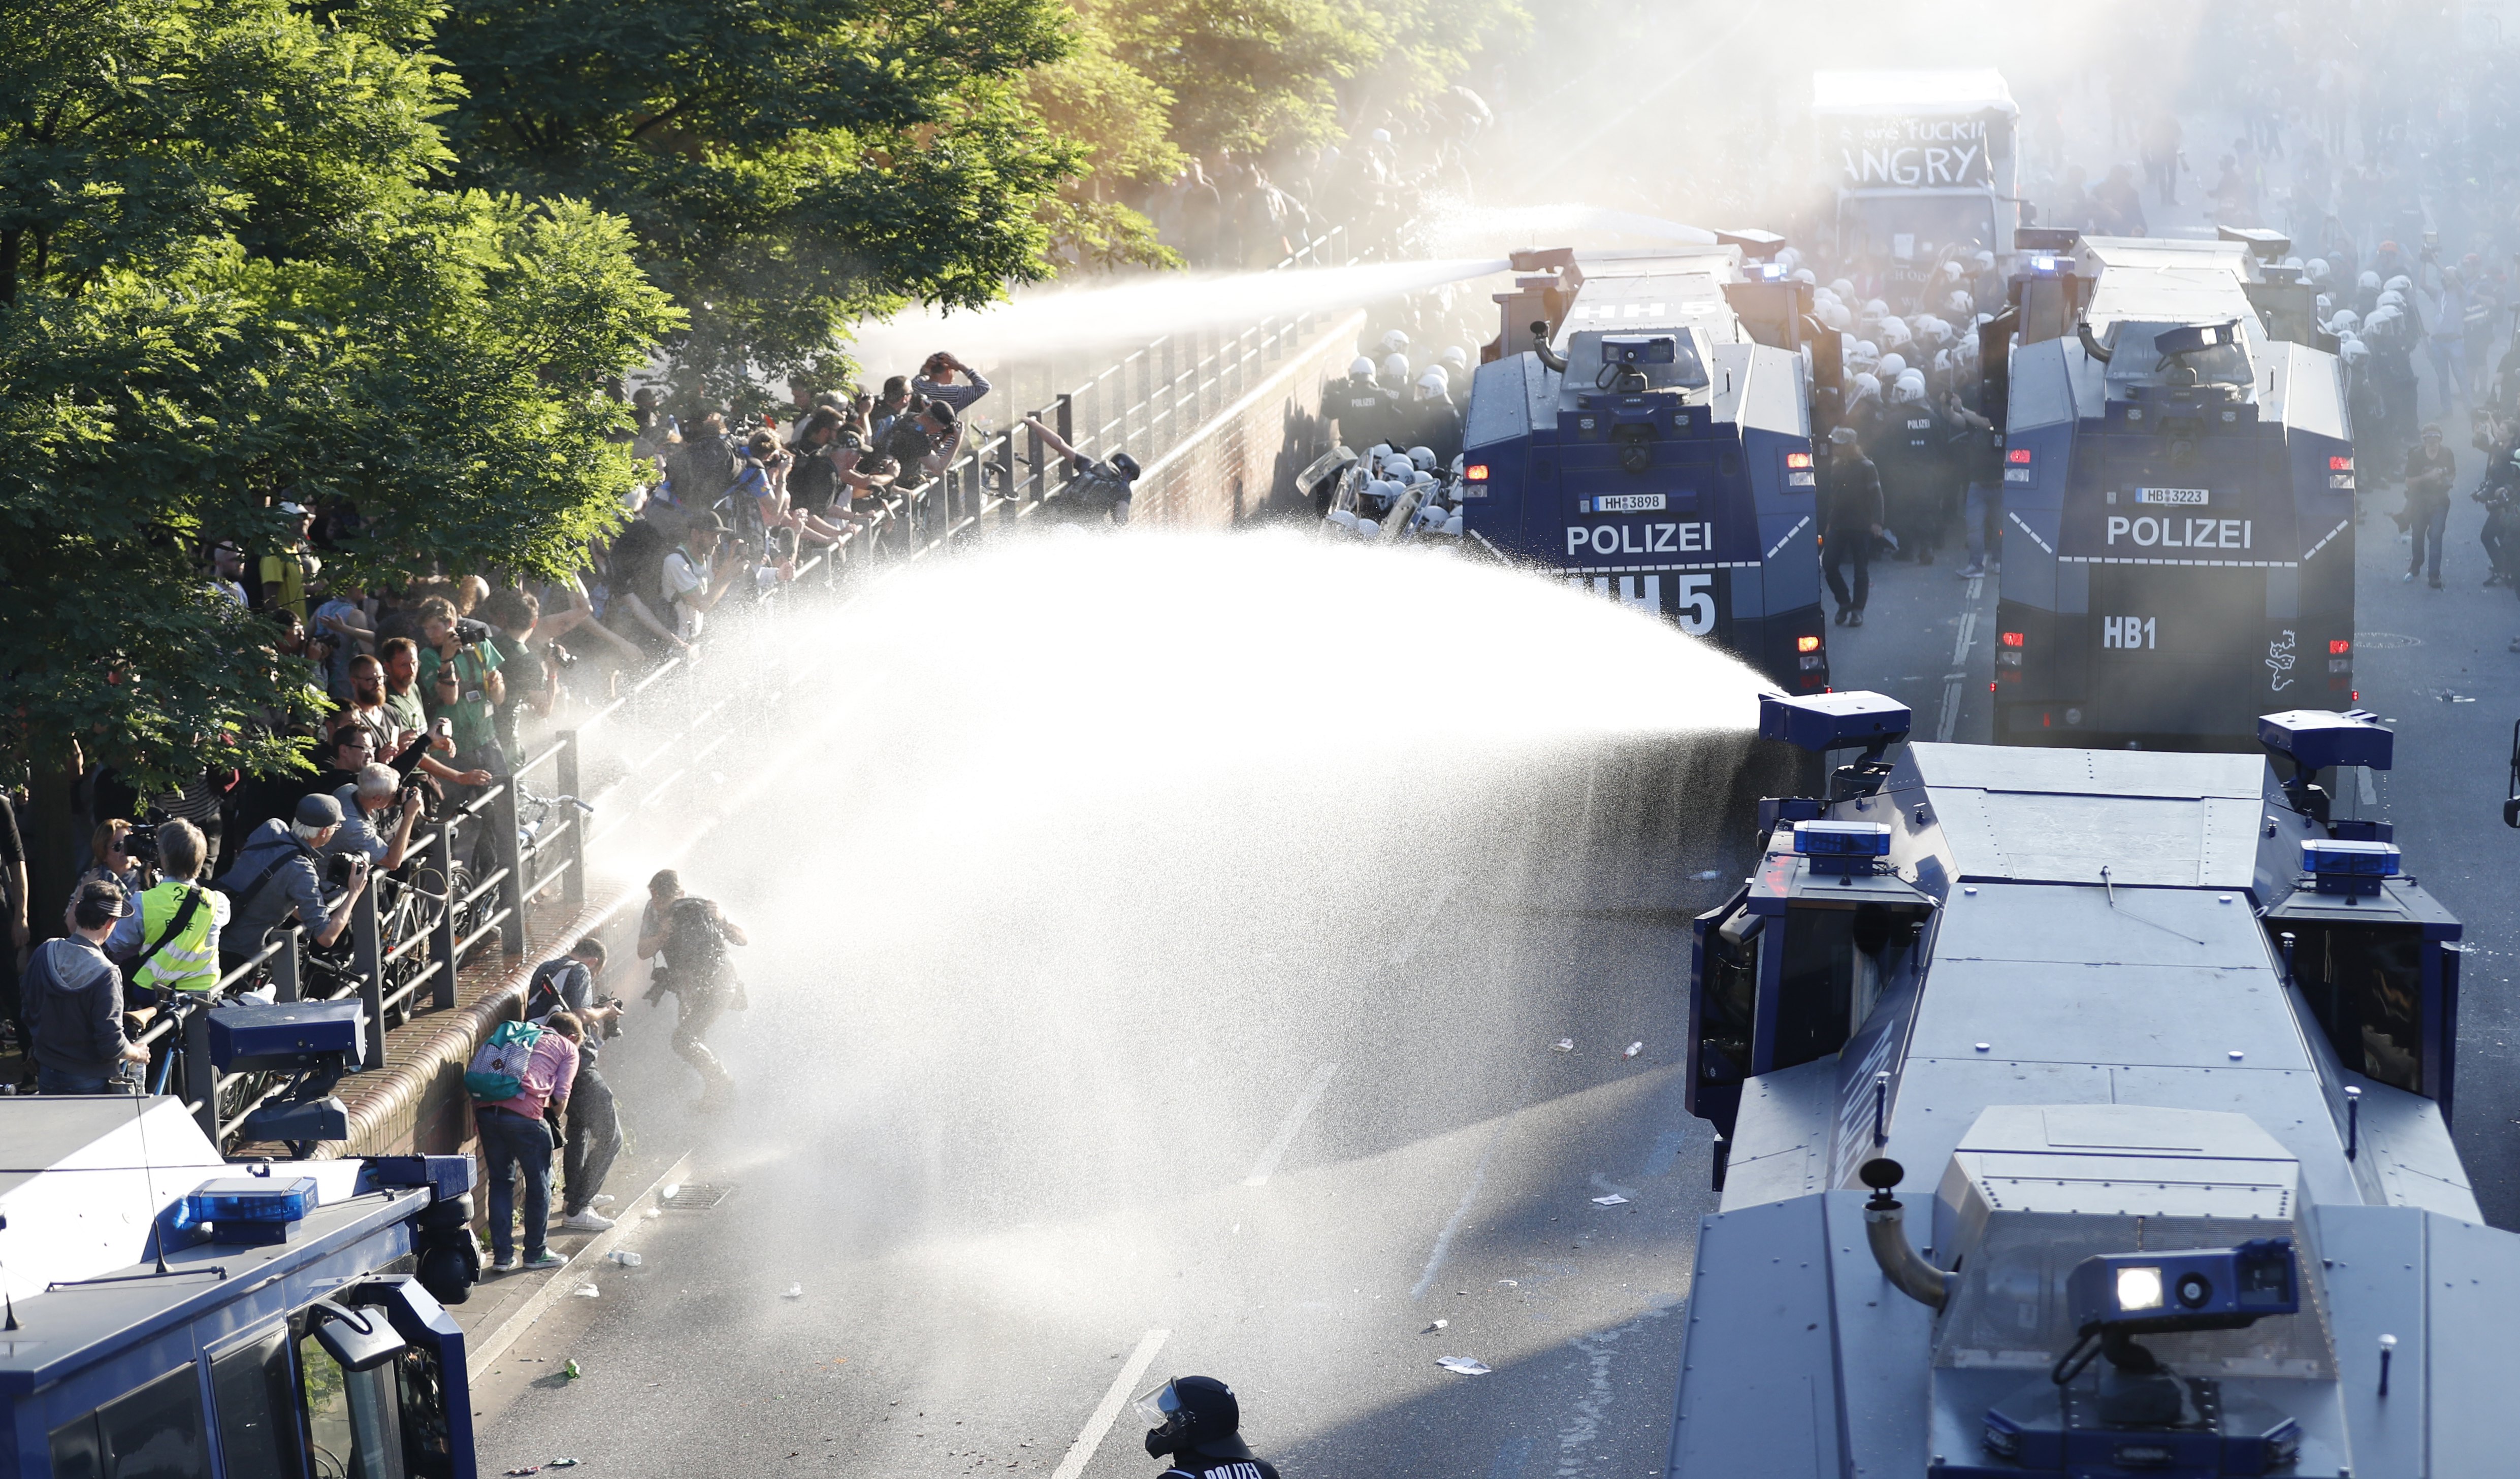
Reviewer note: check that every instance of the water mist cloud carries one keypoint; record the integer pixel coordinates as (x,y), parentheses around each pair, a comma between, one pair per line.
(1057,321)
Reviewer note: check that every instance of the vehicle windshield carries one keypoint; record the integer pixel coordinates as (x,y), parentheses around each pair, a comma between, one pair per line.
(1878,226)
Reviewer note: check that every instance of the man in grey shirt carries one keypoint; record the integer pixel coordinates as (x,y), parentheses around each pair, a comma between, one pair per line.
(73,995)
(279,875)
(935,382)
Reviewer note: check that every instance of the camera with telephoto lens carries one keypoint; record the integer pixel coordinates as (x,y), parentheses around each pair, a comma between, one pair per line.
(470,632)
(139,845)
(340,867)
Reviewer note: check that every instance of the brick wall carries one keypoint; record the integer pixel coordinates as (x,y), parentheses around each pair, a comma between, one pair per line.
(1243,464)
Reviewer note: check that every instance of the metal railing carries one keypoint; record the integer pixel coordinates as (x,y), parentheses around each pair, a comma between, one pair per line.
(1146,403)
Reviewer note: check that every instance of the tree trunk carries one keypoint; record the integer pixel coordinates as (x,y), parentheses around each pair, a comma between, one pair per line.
(54,846)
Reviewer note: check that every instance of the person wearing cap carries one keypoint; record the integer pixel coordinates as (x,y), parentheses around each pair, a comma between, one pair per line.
(693,577)
(285,575)
(74,998)
(278,875)
(1196,1422)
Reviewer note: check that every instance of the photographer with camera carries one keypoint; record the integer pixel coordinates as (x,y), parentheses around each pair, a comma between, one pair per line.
(567,984)
(935,382)
(688,939)
(460,682)
(378,812)
(280,875)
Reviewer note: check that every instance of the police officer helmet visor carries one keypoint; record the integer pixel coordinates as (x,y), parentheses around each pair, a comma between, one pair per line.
(1160,1405)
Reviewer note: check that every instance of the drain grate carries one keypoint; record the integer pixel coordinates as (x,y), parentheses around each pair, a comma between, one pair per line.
(697,1196)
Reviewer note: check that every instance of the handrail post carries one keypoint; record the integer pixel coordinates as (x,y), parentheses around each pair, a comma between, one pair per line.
(1036,452)
(512,888)
(1067,417)
(441,930)
(367,952)
(1007,467)
(285,981)
(201,1076)
(573,888)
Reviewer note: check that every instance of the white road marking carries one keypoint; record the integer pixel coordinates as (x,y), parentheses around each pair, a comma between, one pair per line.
(1081,1452)
(1951,715)
(1426,919)
(1478,1179)
(1266,1165)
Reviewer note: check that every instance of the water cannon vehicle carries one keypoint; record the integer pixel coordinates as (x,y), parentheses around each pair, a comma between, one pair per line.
(1642,427)
(2084,1112)
(2178,494)
(169,1312)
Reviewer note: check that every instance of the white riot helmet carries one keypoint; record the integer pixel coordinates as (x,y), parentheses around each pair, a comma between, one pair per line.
(1984,260)
(1876,308)
(1396,367)
(1909,387)
(1344,519)
(2316,269)
(1865,384)
(1457,358)
(2351,352)
(2345,323)
(1788,258)
(1834,316)
(1360,368)
(1934,331)
(1895,332)
(1962,307)
(2392,299)
(1806,275)
(1941,362)
(1394,342)
(1434,384)
(1955,271)
(1422,458)
(2326,306)
(1844,287)
(2399,283)
(1891,367)
(2369,281)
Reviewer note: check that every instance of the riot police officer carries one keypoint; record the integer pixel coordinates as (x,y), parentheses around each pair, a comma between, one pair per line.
(1916,467)
(1850,521)
(1196,1421)
(1362,410)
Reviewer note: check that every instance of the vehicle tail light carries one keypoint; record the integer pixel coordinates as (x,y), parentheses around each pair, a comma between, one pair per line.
(1476,473)
(2011,639)
(2340,465)
(1805,644)
(1798,458)
(2019,457)
(2338,646)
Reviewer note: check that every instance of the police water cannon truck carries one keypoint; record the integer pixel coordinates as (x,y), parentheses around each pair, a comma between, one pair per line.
(2164,1054)
(1643,425)
(1921,170)
(164,1311)
(2178,495)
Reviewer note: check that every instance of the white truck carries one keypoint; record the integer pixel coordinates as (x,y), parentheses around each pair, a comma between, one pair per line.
(1920,161)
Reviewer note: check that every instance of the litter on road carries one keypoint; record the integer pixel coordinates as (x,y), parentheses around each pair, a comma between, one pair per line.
(1633,1050)
(1614,1199)
(587,1291)
(794,1291)
(1466,1365)
(1432,1328)
(1566,1045)
(625,1258)
(571,1371)
(562,1463)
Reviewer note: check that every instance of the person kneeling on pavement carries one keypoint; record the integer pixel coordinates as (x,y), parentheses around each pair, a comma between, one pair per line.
(518,1134)
(593,1126)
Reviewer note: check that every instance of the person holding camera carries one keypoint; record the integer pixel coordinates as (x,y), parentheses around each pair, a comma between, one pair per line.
(279,875)
(379,810)
(694,578)
(567,984)
(459,683)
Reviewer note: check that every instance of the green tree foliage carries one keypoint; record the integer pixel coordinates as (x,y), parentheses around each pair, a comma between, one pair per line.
(225,281)
(789,165)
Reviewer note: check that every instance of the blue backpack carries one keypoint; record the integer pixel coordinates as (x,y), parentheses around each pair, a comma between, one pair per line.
(497,1072)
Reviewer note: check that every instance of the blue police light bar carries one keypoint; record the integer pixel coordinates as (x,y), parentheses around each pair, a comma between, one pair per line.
(1823,722)
(1842,840)
(248,1209)
(2349,867)
(2318,739)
